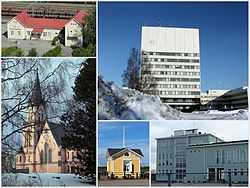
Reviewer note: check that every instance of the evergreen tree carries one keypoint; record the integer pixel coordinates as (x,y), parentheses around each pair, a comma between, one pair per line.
(32,53)
(80,119)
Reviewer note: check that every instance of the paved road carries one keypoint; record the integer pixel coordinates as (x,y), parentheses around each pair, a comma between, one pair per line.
(165,184)
(139,182)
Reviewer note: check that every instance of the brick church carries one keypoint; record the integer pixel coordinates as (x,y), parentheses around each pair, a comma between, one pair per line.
(41,149)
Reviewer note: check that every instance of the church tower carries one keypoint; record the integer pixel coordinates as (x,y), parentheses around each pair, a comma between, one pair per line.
(35,120)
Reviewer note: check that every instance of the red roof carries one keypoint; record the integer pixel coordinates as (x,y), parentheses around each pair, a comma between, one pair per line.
(28,21)
(37,30)
(79,17)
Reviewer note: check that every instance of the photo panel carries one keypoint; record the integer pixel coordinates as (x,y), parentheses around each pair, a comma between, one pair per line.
(48,121)
(123,153)
(199,153)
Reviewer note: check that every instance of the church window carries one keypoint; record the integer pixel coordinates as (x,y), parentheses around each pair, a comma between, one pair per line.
(59,153)
(126,154)
(29,158)
(67,155)
(41,156)
(20,159)
(50,155)
(72,155)
(46,150)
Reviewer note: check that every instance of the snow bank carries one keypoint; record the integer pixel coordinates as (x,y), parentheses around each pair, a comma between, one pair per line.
(44,179)
(127,104)
(235,115)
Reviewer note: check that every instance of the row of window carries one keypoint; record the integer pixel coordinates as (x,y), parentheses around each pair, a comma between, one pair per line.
(175,73)
(171,54)
(177,93)
(178,86)
(173,60)
(165,156)
(178,79)
(175,66)
(231,156)
(13,32)
(235,172)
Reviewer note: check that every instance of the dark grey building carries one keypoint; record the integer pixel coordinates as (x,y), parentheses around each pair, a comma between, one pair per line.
(231,100)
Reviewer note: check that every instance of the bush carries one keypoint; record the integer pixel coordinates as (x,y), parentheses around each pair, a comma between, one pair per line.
(32,53)
(55,41)
(12,51)
(89,51)
(53,53)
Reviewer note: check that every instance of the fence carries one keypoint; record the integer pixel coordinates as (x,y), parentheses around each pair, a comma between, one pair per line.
(222,177)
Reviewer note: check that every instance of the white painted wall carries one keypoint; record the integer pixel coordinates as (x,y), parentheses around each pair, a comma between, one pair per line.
(73,29)
(15,30)
(167,39)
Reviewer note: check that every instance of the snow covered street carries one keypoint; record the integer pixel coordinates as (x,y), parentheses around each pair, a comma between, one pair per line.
(44,179)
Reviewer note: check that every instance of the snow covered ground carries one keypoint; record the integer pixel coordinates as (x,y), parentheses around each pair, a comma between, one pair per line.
(217,115)
(44,179)
(127,104)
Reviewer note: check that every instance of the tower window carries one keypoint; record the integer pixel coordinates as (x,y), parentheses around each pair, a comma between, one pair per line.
(126,154)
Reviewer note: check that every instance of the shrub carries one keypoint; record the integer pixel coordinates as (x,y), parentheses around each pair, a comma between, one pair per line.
(89,51)
(32,53)
(53,53)
(55,41)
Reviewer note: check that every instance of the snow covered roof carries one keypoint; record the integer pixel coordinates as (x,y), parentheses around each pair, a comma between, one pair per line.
(29,21)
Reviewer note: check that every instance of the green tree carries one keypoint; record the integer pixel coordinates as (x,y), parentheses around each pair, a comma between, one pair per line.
(89,51)
(80,118)
(89,31)
(32,53)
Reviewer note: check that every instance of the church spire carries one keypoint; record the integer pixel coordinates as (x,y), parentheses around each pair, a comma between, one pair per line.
(36,96)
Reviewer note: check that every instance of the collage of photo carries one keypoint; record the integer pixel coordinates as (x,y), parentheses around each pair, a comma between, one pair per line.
(115,93)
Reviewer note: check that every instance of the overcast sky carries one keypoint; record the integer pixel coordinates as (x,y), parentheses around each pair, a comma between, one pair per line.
(227,130)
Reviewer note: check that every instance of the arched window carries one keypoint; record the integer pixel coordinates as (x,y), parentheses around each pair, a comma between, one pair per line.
(46,150)
(41,157)
(20,159)
(50,155)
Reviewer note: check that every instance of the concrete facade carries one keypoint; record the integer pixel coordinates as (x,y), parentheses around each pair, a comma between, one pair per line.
(174,55)
(230,100)
(192,156)
(218,159)
(171,152)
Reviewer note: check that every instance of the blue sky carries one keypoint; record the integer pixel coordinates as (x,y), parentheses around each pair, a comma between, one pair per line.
(223,37)
(110,136)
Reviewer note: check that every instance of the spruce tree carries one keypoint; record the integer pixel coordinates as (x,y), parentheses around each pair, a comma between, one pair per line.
(80,119)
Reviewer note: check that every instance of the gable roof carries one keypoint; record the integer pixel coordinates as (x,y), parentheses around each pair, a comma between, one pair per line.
(114,151)
(79,17)
(57,131)
(29,21)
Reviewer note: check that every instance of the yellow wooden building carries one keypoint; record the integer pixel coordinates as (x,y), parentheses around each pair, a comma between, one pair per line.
(124,162)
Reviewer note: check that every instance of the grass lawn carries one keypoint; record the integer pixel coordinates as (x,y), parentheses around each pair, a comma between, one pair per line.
(10,51)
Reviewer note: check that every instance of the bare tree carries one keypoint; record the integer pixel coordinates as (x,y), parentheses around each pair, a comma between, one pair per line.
(18,77)
(138,74)
(147,79)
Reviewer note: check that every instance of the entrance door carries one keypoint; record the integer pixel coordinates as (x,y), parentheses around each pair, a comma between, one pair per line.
(127,167)
(220,174)
(211,175)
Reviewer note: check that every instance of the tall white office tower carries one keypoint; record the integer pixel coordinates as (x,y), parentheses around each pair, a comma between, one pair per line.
(174,55)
